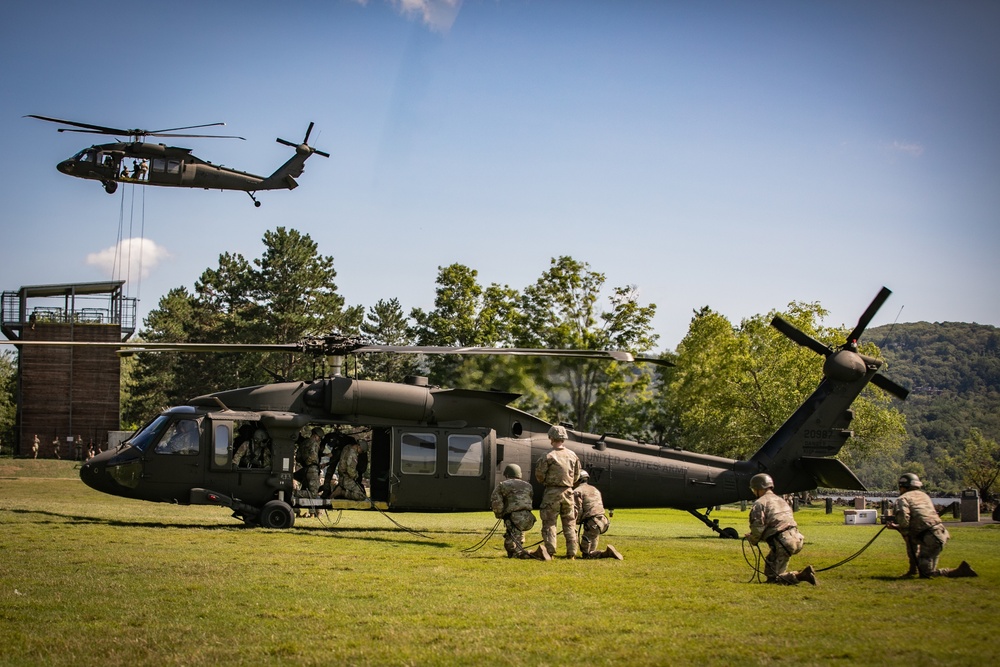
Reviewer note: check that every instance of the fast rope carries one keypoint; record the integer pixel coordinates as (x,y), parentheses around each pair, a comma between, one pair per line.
(759,556)
(398,525)
(854,555)
(482,543)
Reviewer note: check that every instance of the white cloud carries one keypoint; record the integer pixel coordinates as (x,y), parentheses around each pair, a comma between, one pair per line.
(907,148)
(135,257)
(438,15)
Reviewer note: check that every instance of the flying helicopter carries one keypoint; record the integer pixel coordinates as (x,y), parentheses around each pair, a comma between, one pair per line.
(170,166)
(436,449)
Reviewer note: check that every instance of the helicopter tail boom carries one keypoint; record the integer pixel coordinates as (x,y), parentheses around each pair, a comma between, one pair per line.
(284,176)
(799,454)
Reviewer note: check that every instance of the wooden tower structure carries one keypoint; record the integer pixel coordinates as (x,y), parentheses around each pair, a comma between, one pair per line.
(67,396)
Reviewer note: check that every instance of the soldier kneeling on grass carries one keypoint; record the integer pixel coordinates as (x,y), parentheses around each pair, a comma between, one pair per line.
(511,501)
(590,515)
(771,521)
(918,522)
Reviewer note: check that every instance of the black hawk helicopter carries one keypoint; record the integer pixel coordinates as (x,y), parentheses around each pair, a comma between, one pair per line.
(170,166)
(434,449)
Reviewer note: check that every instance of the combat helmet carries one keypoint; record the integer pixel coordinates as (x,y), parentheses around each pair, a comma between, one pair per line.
(761,481)
(557,433)
(583,478)
(512,471)
(910,481)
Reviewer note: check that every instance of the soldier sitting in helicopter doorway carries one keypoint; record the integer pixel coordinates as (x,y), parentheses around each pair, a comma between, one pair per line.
(252,447)
(307,456)
(350,471)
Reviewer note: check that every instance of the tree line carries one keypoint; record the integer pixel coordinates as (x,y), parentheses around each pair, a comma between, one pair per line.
(731,387)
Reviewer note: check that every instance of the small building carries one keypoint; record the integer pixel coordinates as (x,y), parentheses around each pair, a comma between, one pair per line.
(67,396)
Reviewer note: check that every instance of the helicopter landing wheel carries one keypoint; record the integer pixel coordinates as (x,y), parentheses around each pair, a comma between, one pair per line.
(255,202)
(110,187)
(276,514)
(729,533)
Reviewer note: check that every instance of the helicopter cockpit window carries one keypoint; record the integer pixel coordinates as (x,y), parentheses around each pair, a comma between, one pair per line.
(149,433)
(85,156)
(181,437)
(465,455)
(418,453)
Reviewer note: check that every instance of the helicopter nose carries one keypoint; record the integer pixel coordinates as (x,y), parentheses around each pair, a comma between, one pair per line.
(94,473)
(104,472)
(66,166)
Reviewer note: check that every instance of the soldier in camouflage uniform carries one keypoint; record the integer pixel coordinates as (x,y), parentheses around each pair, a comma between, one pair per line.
(307,455)
(255,452)
(919,524)
(558,471)
(347,473)
(590,514)
(511,501)
(771,521)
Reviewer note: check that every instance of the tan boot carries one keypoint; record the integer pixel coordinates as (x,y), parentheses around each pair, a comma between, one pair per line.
(611,552)
(963,570)
(808,574)
(541,553)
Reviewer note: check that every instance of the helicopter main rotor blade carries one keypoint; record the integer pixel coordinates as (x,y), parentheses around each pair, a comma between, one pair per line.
(133,348)
(197,136)
(616,355)
(335,349)
(94,129)
(882,382)
(101,129)
(797,336)
(869,313)
(653,360)
(186,127)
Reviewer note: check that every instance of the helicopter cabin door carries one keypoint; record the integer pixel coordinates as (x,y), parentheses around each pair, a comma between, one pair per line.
(174,463)
(166,171)
(442,469)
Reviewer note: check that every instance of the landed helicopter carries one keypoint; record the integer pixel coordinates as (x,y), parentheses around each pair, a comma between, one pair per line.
(158,164)
(434,449)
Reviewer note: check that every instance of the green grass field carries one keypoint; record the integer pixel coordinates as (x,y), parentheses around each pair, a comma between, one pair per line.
(88,579)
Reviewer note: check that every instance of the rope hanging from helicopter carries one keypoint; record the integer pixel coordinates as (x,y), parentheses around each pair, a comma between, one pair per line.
(758,573)
(373,506)
(122,263)
(397,524)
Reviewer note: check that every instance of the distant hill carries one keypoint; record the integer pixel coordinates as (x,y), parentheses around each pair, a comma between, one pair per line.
(953,372)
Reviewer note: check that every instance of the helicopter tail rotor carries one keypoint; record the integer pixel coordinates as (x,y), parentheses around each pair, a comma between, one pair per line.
(844,363)
(303,148)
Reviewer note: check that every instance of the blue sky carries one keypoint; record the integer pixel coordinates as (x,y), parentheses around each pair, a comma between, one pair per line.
(730,154)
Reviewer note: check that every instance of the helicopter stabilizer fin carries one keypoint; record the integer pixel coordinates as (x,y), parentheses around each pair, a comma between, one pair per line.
(831,473)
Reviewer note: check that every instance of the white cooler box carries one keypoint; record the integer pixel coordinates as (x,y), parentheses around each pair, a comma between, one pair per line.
(860,516)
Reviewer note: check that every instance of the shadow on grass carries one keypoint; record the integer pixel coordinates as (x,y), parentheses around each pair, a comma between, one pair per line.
(359,533)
